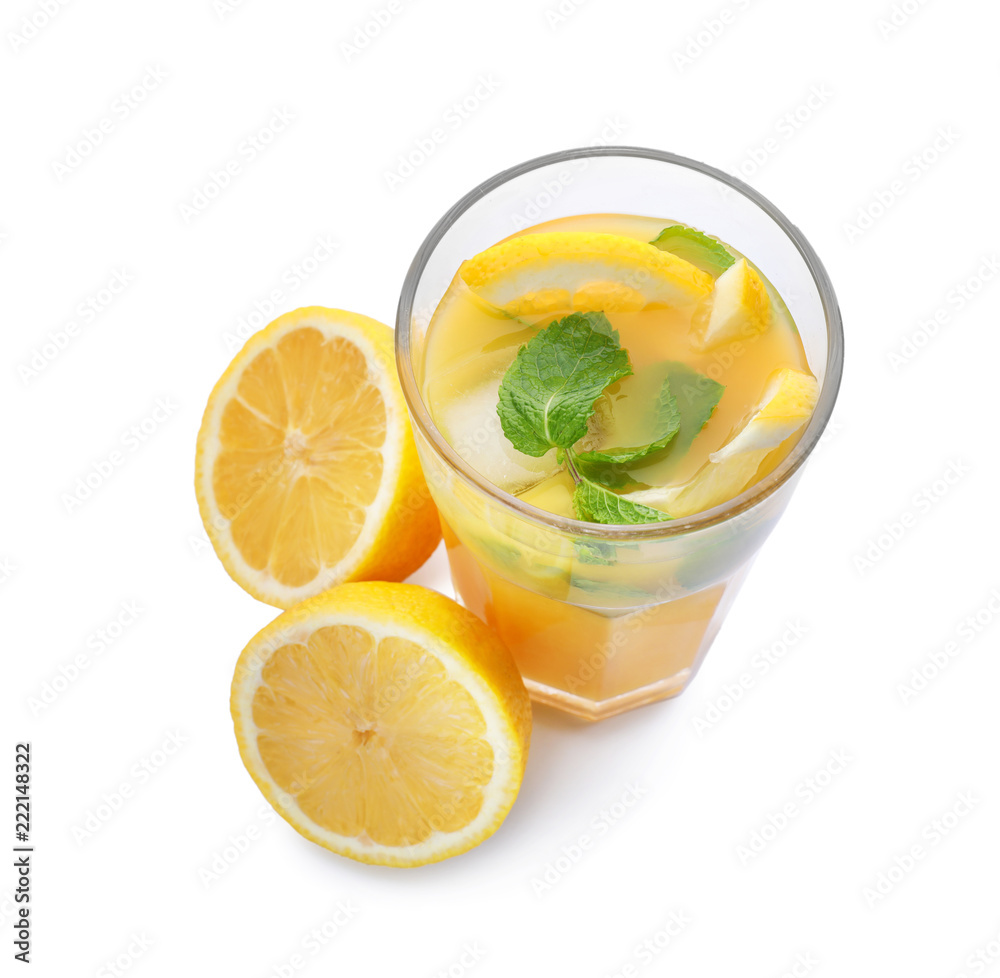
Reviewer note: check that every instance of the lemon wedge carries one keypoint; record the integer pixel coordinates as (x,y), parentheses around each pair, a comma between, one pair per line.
(739,308)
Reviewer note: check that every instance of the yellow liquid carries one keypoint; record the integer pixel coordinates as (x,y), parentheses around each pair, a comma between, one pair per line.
(575,646)
(469,343)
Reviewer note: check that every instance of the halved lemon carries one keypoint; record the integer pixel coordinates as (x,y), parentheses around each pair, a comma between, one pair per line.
(786,405)
(306,471)
(582,271)
(383,722)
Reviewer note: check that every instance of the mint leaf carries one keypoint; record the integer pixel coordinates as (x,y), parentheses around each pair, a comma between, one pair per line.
(548,392)
(706,253)
(606,474)
(594,552)
(684,399)
(667,423)
(595,504)
(697,397)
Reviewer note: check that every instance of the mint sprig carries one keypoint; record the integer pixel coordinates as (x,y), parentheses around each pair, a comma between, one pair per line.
(546,401)
(595,504)
(548,392)
(696,247)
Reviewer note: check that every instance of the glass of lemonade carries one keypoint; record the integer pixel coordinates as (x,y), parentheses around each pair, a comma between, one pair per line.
(616,361)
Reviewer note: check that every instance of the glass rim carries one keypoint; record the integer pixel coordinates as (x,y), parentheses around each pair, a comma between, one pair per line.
(725,511)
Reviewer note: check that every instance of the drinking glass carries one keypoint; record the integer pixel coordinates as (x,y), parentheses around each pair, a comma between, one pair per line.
(604,618)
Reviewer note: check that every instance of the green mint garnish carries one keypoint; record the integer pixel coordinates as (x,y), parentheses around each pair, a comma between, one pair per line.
(697,397)
(547,400)
(594,552)
(606,474)
(548,392)
(668,423)
(599,552)
(702,251)
(595,504)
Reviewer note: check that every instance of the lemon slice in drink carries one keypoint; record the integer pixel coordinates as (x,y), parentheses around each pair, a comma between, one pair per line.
(739,308)
(383,722)
(786,405)
(583,272)
(306,471)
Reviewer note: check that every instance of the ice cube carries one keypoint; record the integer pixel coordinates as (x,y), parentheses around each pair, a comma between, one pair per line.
(470,424)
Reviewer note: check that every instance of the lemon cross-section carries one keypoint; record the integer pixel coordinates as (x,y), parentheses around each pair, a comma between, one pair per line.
(582,271)
(384,722)
(306,471)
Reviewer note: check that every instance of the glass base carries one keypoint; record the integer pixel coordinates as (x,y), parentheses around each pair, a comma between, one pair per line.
(591,662)
(602,709)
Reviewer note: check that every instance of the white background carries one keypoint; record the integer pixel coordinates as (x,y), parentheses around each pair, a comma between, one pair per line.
(881,96)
